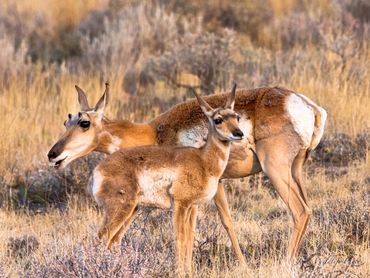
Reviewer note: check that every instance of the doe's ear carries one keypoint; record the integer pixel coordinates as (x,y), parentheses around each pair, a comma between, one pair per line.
(99,107)
(206,108)
(82,99)
(231,99)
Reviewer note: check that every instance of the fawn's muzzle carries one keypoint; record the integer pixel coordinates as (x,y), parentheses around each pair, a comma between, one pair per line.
(238,133)
(52,154)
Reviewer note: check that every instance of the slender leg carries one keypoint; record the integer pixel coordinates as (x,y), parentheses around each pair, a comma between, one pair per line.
(179,221)
(190,225)
(224,212)
(289,192)
(116,214)
(121,232)
(279,170)
(297,172)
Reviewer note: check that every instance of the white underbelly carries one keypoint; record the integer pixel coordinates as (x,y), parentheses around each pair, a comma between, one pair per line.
(154,187)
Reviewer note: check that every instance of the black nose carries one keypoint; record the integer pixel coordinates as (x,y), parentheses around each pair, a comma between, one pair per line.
(52,155)
(238,133)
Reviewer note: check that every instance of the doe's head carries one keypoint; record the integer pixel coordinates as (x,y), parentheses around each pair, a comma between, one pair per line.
(82,129)
(224,121)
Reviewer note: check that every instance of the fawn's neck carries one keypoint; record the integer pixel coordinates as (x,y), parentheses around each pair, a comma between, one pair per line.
(216,153)
(115,135)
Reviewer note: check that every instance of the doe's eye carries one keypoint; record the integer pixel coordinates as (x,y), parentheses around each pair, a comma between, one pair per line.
(238,118)
(85,124)
(218,121)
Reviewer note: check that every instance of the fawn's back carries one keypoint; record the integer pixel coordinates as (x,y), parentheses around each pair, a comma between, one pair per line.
(154,173)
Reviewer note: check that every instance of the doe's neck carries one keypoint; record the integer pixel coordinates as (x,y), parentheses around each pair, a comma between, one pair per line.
(116,135)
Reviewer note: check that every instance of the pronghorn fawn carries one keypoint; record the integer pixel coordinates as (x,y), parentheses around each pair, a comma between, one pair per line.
(162,176)
(283,125)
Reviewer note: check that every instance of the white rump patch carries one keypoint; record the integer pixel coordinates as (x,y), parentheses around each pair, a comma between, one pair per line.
(319,129)
(97,182)
(193,137)
(154,186)
(303,118)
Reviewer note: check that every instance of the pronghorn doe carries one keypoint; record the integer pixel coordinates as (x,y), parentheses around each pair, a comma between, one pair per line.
(284,126)
(162,176)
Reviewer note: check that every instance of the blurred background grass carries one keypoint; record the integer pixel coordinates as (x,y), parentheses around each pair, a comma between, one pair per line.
(151,52)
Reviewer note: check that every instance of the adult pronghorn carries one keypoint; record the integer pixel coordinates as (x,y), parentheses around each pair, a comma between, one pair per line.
(284,126)
(166,176)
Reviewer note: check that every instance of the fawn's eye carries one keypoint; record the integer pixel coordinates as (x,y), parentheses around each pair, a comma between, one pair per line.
(85,124)
(238,118)
(218,121)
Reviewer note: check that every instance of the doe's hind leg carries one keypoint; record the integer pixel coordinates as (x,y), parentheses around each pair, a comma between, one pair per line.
(285,173)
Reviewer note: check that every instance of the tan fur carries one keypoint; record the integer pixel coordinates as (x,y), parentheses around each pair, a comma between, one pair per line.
(273,133)
(131,135)
(192,176)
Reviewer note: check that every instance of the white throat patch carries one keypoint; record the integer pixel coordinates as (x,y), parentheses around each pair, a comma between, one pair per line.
(115,144)
(193,137)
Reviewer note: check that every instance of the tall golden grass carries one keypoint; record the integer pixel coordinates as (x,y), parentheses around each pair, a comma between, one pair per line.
(33,113)
(58,14)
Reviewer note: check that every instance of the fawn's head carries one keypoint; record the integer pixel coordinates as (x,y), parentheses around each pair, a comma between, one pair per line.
(224,121)
(82,129)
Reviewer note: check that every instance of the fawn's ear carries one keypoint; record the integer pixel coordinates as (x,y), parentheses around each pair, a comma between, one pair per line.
(82,99)
(99,107)
(206,108)
(231,99)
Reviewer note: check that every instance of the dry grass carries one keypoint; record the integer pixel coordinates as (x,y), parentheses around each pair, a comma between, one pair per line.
(338,237)
(57,14)
(148,52)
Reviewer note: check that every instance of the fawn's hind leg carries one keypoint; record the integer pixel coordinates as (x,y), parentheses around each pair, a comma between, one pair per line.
(117,214)
(121,232)
(180,228)
(191,221)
